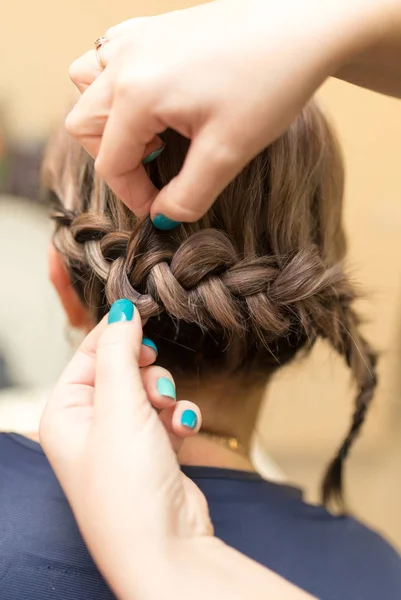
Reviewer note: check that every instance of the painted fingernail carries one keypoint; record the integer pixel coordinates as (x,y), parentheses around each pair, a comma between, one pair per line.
(147,342)
(189,419)
(166,387)
(153,155)
(121,310)
(164,223)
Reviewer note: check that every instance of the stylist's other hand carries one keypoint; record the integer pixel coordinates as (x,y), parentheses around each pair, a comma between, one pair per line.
(146,525)
(230,75)
(114,454)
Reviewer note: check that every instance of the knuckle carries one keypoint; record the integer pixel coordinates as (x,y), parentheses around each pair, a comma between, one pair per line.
(73,124)
(102,167)
(223,154)
(137,83)
(75,70)
(124,83)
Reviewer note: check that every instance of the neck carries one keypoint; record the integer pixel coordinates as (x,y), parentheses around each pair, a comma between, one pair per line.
(228,411)
(204,452)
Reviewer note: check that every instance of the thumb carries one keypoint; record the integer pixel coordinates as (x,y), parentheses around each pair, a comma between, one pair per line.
(119,391)
(211,164)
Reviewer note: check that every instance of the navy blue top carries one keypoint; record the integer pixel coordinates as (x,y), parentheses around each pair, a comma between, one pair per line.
(43,557)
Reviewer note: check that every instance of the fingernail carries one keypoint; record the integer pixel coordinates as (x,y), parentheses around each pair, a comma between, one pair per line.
(147,342)
(166,387)
(121,310)
(164,223)
(153,155)
(189,419)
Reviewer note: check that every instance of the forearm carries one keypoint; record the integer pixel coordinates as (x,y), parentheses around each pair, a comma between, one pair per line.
(199,569)
(215,571)
(371,53)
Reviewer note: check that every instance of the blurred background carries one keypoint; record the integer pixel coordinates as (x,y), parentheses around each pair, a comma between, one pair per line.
(309,405)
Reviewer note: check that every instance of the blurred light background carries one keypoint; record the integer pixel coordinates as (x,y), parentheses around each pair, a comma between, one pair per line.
(309,405)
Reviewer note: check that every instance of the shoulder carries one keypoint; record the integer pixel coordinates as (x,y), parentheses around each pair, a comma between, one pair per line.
(373,546)
(356,553)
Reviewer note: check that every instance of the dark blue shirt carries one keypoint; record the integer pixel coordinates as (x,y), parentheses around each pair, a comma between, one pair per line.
(43,557)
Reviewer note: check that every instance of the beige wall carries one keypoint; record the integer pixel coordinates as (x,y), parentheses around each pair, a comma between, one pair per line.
(38,40)
(309,405)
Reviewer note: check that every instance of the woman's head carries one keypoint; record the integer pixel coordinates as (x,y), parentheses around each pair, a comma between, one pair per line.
(243,290)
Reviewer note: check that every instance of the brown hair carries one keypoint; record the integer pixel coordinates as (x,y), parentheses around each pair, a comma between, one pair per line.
(243,290)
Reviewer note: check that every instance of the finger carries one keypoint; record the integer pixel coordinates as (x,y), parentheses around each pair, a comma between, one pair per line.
(75,388)
(159,386)
(87,120)
(81,368)
(120,397)
(153,150)
(129,130)
(173,418)
(85,69)
(137,185)
(148,352)
(187,419)
(189,195)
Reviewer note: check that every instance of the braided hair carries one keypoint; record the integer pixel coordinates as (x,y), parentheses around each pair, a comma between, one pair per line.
(257,280)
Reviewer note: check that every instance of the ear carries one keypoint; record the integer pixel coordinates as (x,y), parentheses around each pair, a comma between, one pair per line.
(78,316)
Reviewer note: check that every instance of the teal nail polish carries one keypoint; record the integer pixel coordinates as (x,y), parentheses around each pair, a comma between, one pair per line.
(121,310)
(147,342)
(189,419)
(164,223)
(153,155)
(165,387)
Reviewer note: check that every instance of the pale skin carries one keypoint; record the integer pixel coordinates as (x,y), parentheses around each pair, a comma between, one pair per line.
(231,75)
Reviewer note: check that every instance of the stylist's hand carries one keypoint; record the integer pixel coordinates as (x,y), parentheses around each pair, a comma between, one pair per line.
(146,525)
(230,75)
(114,455)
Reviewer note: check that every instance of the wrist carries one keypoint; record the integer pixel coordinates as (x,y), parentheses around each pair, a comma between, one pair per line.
(347,29)
(363,28)
(329,34)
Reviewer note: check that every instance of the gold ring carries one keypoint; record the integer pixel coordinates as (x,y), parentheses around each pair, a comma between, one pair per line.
(99,43)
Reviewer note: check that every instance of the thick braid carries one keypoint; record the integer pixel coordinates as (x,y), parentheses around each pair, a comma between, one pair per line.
(203,279)
(362,362)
